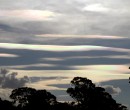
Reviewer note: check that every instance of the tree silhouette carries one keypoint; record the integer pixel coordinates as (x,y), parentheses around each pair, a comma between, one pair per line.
(6,105)
(90,97)
(41,99)
(29,98)
(20,96)
(85,93)
(63,106)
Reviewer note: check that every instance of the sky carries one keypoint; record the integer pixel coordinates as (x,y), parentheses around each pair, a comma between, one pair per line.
(45,43)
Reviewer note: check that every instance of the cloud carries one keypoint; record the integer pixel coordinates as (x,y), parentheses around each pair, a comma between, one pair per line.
(60,48)
(27,15)
(50,47)
(8,55)
(79,36)
(48,21)
(124,85)
(9,80)
(5,93)
(96,8)
(112,90)
(60,58)
(101,17)
(37,79)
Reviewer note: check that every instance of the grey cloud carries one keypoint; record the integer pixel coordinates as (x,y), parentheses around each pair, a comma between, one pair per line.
(56,5)
(9,28)
(56,67)
(59,5)
(6,4)
(119,43)
(83,22)
(68,59)
(36,79)
(112,90)
(42,27)
(90,61)
(14,34)
(12,37)
(9,80)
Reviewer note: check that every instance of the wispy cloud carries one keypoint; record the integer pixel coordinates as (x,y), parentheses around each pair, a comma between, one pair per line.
(80,36)
(60,48)
(27,15)
(8,55)
(50,47)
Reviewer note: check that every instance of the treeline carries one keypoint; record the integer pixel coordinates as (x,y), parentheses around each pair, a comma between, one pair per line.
(86,95)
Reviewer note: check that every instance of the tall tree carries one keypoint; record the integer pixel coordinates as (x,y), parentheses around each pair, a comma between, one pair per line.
(90,97)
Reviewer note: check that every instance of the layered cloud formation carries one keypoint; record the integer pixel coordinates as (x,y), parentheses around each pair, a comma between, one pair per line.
(21,21)
(53,41)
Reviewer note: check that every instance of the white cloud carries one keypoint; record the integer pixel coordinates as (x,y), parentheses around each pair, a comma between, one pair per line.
(8,55)
(112,90)
(58,48)
(96,8)
(80,36)
(27,15)
(30,65)
(51,47)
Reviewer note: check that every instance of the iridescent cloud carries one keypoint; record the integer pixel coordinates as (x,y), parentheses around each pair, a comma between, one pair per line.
(8,55)
(27,15)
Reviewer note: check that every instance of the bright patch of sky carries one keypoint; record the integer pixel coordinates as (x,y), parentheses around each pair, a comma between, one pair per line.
(96,8)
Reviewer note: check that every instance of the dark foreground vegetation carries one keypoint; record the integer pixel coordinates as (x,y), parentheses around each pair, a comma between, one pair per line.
(85,94)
